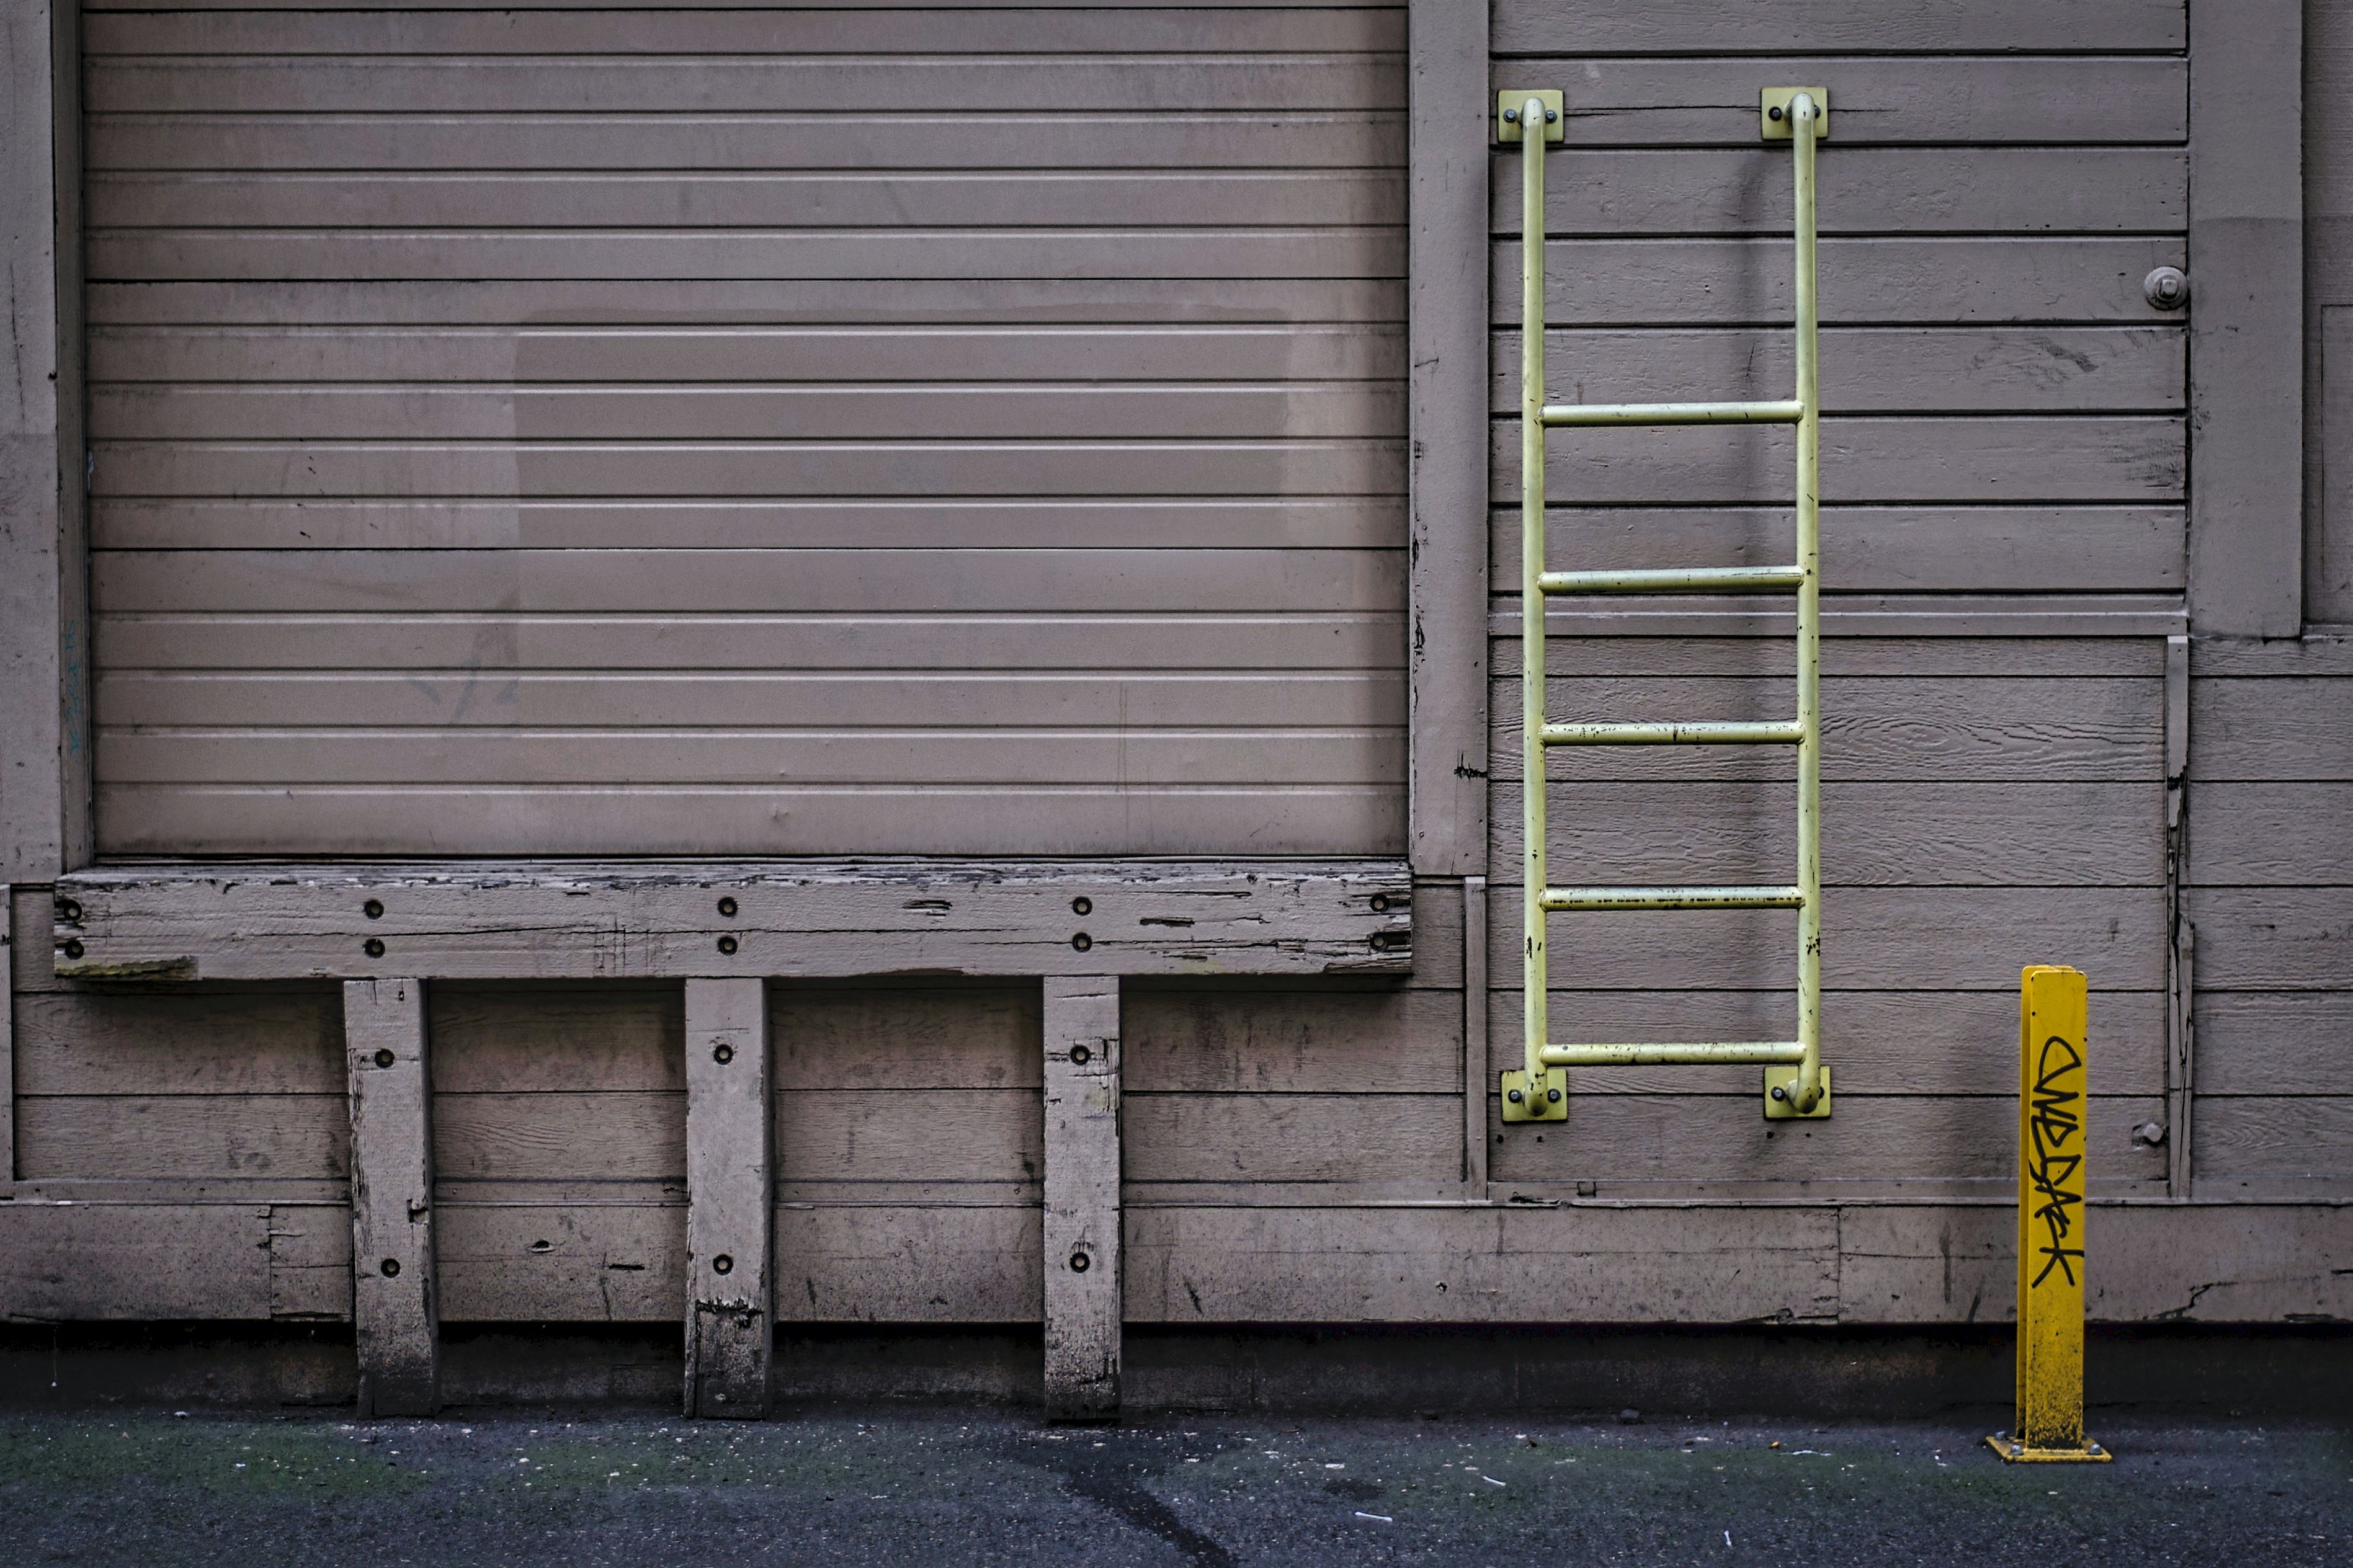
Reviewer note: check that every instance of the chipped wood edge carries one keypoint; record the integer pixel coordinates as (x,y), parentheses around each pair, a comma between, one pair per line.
(2177,980)
(394,1307)
(730,1308)
(1083,1228)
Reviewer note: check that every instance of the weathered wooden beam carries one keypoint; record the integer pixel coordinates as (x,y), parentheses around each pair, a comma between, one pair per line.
(1866,616)
(1083,1304)
(730,1328)
(7,1039)
(394,1312)
(514,921)
(1474,1036)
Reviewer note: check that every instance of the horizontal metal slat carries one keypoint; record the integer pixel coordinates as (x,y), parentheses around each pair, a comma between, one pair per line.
(1675,580)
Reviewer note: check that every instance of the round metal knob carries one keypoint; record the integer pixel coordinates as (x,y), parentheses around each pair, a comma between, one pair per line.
(2166,289)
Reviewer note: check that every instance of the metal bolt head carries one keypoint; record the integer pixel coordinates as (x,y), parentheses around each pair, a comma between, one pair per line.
(2166,289)
(68,909)
(723,1264)
(2150,1133)
(727,945)
(1380,903)
(385,1058)
(1774,112)
(1082,942)
(727,908)
(1081,1262)
(373,947)
(73,947)
(1551,115)
(1083,905)
(389,1267)
(1779,1092)
(1552,1095)
(1511,117)
(372,908)
(1080,1056)
(722,1053)
(1516,1096)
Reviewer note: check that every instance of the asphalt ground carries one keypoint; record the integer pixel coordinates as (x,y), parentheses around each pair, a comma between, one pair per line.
(971,1487)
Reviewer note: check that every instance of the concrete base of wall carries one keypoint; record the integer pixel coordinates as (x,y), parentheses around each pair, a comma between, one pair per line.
(2220,1371)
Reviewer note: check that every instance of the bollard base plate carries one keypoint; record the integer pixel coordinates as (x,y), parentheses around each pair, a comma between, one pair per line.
(2015,1452)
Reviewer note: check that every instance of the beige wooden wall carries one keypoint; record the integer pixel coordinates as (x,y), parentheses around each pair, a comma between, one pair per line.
(726,430)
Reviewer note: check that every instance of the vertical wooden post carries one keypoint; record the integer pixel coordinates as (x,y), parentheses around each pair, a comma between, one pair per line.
(8,1037)
(395,1313)
(730,1317)
(1475,1072)
(2053,1103)
(1083,1219)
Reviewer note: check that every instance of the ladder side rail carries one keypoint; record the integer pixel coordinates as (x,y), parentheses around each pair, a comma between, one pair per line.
(1534,970)
(1808,1090)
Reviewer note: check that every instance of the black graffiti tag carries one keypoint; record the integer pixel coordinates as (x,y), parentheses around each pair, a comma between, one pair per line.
(2052,1123)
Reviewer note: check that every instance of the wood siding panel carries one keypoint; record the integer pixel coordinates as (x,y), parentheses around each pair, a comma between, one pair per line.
(423,275)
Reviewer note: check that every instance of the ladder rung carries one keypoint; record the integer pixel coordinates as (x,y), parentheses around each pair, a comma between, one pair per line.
(1740,1053)
(1676,580)
(1559,899)
(1708,733)
(1782,412)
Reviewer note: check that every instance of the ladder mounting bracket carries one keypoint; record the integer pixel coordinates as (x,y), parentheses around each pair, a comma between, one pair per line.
(1786,1080)
(1508,101)
(1546,1101)
(1773,112)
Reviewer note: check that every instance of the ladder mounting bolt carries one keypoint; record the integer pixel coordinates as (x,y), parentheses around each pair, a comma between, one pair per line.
(1514,1097)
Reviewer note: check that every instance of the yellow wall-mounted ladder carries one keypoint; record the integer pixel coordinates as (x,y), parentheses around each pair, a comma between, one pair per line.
(1796,1082)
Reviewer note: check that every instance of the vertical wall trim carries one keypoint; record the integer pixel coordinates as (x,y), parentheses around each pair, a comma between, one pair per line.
(2246,317)
(1447,334)
(730,1314)
(1083,1304)
(1474,1035)
(38,98)
(2177,952)
(395,1311)
(8,1038)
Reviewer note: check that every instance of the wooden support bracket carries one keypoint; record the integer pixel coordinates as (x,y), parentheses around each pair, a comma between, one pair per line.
(730,1316)
(394,1310)
(1083,1305)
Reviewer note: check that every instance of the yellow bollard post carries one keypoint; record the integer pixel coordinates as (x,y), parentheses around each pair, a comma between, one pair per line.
(2053,1133)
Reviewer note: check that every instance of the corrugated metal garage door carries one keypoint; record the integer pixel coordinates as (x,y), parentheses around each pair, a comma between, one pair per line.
(662,431)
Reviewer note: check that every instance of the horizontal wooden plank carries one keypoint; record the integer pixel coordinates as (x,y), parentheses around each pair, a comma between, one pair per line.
(243,1042)
(1982,458)
(2092,834)
(1360,640)
(1952,659)
(583,921)
(489,1040)
(835,200)
(185,1137)
(943,83)
(1743,26)
(211,343)
(1694,282)
(1258,1137)
(590,819)
(903,757)
(2008,370)
(1025,303)
(1878,939)
(1862,190)
(2041,616)
(604,142)
(2319,652)
(553,1135)
(890,1135)
(311,1261)
(1265,699)
(66,1261)
(874,1264)
(1263,1041)
(1281,412)
(2280,1042)
(570,1263)
(762,582)
(2069,548)
(1207,466)
(2272,939)
(2287,727)
(1876,727)
(1878,1043)
(323,255)
(2258,1136)
(1704,1138)
(917,30)
(910,1035)
(2255,835)
(1687,100)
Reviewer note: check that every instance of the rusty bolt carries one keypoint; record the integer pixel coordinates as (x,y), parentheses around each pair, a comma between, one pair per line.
(372,910)
(385,1058)
(1083,905)
(389,1267)
(723,1264)
(722,1053)
(73,947)
(727,944)
(1082,942)
(727,908)
(1080,1262)
(1080,1056)
(373,947)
